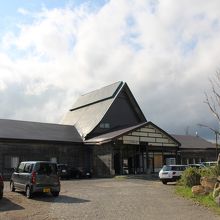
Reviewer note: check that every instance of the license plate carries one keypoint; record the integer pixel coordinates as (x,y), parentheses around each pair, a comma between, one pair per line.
(46,190)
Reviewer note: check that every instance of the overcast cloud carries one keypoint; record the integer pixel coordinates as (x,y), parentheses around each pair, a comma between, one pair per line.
(165,50)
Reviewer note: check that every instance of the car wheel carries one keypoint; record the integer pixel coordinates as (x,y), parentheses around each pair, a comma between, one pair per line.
(29,193)
(12,186)
(164,182)
(55,194)
(1,193)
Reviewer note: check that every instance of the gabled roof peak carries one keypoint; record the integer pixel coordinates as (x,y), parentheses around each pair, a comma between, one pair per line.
(90,108)
(98,95)
(104,87)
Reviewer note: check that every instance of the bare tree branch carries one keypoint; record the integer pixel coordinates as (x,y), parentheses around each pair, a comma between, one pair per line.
(213,100)
(212,129)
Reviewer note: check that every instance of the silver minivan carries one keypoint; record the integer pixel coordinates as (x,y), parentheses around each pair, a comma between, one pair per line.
(36,176)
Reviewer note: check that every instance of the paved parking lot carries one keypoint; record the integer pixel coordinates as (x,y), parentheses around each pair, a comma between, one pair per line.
(104,199)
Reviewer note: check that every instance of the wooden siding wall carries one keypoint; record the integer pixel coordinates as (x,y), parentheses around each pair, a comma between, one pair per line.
(73,155)
(195,154)
(102,161)
(149,134)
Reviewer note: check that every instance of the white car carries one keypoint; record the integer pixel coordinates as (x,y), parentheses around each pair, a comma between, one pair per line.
(171,173)
(210,163)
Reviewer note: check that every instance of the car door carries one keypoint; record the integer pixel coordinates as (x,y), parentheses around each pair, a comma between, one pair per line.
(26,175)
(18,176)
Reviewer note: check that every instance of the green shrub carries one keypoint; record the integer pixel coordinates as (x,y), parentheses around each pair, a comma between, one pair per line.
(190,177)
(213,171)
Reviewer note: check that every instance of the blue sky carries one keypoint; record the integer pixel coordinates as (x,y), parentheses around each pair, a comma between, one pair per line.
(10,15)
(10,7)
(52,51)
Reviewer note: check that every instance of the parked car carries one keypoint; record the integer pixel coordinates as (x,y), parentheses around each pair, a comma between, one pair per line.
(1,186)
(36,176)
(63,171)
(171,173)
(197,165)
(80,173)
(210,163)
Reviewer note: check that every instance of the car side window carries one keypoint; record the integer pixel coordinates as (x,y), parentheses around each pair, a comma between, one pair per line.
(28,168)
(21,168)
(173,168)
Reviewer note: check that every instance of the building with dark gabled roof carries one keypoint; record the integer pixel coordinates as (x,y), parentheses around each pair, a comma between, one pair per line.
(195,149)
(104,131)
(119,130)
(35,131)
(142,148)
(112,107)
(25,140)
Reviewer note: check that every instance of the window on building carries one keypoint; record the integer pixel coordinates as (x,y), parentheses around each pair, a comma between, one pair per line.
(53,159)
(191,160)
(14,162)
(11,161)
(104,125)
(170,161)
(184,161)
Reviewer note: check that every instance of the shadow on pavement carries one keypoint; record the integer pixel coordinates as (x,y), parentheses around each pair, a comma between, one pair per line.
(8,205)
(59,199)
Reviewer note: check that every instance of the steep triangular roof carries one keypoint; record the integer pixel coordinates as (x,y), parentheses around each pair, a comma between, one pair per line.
(90,108)
(96,96)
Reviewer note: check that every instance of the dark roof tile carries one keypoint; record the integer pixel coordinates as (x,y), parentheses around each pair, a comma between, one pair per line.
(188,141)
(13,129)
(98,95)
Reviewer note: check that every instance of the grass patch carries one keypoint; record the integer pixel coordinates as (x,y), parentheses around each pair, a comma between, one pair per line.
(206,200)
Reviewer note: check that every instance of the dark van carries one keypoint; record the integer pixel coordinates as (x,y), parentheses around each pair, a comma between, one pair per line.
(36,176)
(63,171)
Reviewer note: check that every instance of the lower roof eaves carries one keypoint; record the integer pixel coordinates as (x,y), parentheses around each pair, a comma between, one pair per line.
(126,132)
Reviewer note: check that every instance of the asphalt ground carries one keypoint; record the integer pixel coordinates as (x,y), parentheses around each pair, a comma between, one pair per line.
(116,198)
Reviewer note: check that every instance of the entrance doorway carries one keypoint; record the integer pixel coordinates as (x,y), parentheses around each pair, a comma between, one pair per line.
(117,165)
(130,159)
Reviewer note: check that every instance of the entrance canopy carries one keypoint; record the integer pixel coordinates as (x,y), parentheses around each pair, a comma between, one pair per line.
(146,132)
(139,149)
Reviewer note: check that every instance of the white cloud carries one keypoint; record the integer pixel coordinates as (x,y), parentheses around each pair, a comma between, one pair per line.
(23,11)
(165,50)
(2,85)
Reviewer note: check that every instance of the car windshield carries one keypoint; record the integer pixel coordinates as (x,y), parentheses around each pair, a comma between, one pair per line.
(166,168)
(46,168)
(176,168)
